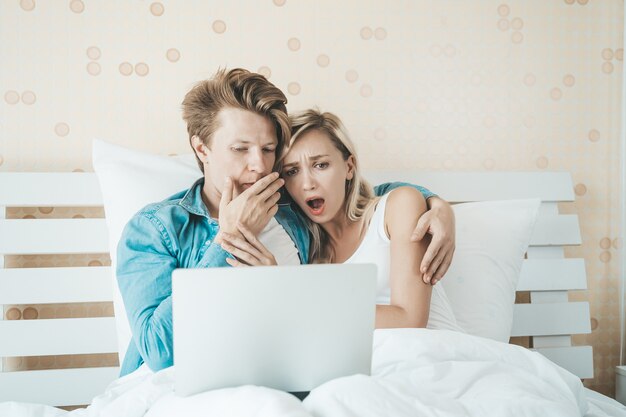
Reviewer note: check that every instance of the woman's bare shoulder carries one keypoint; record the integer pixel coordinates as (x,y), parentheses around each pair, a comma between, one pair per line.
(404,207)
(403,198)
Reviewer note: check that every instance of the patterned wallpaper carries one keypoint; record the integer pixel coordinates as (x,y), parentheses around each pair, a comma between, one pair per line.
(447,85)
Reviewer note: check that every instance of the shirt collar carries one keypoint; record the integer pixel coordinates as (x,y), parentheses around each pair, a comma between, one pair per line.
(192,200)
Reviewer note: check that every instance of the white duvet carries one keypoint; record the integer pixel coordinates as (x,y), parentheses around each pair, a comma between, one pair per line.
(415,372)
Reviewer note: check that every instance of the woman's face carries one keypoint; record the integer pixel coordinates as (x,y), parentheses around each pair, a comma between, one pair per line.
(315,176)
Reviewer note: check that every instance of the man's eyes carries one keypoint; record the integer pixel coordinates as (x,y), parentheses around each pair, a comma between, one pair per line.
(244,149)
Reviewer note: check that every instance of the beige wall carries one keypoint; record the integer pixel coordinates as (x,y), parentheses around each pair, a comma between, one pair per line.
(437,85)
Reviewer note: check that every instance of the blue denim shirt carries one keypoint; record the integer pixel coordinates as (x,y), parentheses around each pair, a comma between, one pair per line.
(178,233)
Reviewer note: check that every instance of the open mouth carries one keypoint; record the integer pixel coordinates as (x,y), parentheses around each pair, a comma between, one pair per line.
(316,205)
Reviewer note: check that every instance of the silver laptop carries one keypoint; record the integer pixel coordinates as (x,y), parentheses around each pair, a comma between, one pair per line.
(285,327)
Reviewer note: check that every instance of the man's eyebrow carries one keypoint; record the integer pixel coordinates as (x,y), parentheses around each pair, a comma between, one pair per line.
(247,142)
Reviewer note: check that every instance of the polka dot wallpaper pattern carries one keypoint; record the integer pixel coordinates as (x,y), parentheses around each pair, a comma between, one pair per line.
(466,86)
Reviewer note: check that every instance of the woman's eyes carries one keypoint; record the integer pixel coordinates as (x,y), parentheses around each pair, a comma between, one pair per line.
(293,171)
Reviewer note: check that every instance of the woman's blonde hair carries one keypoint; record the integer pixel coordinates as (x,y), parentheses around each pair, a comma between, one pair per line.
(359,195)
(240,89)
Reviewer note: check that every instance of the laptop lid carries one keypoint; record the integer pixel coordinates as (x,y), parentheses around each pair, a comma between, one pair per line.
(285,327)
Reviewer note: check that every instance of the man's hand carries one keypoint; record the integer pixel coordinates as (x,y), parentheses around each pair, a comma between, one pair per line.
(253,208)
(248,250)
(439,222)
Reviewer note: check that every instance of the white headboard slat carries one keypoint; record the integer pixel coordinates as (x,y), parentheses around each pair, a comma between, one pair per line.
(18,189)
(557,230)
(552,341)
(49,189)
(56,285)
(551,319)
(478,186)
(552,275)
(56,386)
(53,236)
(58,336)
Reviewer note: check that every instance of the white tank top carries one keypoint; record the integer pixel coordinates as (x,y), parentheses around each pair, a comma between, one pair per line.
(376,248)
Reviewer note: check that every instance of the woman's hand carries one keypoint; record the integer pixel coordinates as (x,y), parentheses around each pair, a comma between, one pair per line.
(439,222)
(248,251)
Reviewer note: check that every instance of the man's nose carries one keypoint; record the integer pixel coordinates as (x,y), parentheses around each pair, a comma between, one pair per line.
(256,162)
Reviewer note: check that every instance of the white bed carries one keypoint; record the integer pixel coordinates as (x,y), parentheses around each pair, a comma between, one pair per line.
(550,319)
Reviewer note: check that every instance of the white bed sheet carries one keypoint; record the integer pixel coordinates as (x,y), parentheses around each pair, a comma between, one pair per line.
(414,372)
(601,405)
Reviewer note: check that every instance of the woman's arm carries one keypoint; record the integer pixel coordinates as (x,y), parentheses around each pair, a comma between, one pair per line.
(410,296)
(439,223)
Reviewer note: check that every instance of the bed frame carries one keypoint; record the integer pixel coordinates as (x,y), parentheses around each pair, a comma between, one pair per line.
(549,319)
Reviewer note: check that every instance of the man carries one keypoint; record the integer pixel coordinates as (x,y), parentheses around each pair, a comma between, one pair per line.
(237,124)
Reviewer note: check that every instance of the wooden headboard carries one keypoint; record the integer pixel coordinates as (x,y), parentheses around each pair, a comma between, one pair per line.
(549,319)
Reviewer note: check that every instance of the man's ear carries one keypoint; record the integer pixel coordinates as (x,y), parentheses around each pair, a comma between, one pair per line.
(202,151)
(351,162)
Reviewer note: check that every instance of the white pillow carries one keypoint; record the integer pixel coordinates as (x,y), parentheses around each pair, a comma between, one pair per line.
(130,180)
(491,240)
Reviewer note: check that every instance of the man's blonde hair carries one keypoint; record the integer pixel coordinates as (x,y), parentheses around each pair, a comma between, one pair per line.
(237,88)
(359,197)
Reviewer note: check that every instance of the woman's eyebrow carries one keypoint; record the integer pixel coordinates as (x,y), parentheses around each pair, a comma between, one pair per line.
(311,158)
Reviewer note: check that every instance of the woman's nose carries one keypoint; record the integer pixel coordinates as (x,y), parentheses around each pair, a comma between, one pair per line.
(308,181)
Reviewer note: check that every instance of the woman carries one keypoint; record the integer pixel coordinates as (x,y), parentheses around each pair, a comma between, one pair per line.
(349,224)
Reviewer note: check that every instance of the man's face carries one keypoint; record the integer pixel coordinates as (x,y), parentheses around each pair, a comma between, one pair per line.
(243,148)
